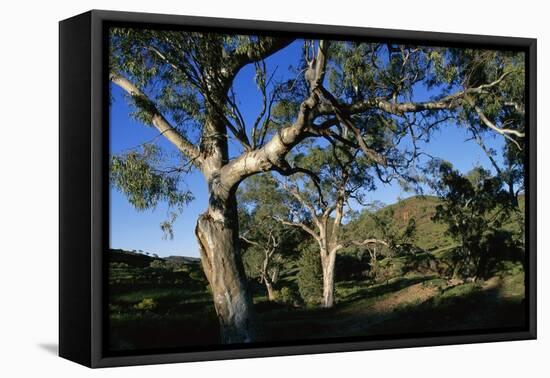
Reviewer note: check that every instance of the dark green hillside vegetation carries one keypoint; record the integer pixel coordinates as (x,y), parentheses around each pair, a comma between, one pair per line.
(149,304)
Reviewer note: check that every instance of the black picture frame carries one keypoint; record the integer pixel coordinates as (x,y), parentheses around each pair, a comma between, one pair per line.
(83,196)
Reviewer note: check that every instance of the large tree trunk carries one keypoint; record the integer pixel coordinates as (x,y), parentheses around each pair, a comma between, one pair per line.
(217,233)
(327,263)
(270,291)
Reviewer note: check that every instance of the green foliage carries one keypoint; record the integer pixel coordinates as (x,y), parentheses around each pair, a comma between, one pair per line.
(309,276)
(287,295)
(134,269)
(139,176)
(179,71)
(474,209)
(147,304)
(352,264)
(334,167)
(261,204)
(407,222)
(400,239)
(158,264)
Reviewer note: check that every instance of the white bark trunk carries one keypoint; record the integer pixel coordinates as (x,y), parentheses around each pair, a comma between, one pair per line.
(217,233)
(270,291)
(328,261)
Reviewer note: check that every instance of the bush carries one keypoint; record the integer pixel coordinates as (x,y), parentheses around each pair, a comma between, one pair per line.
(353,265)
(157,264)
(310,277)
(197,275)
(287,296)
(146,304)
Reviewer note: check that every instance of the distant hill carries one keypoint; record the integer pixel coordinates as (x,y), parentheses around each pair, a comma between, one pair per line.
(132,258)
(430,235)
(182,259)
(141,259)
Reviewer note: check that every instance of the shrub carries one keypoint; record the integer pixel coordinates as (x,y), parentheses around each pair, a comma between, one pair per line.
(287,296)
(157,264)
(310,277)
(197,275)
(146,304)
(353,265)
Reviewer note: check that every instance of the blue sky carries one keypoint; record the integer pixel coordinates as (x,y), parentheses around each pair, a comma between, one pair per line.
(133,230)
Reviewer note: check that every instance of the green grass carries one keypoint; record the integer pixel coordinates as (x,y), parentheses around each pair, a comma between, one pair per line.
(155,308)
(183,317)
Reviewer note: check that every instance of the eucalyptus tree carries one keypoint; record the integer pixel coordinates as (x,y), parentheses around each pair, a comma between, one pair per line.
(505,105)
(319,197)
(182,84)
(268,243)
(473,206)
(388,237)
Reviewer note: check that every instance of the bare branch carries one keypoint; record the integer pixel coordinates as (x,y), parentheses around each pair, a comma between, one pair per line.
(301,225)
(255,52)
(518,107)
(344,119)
(249,241)
(487,122)
(271,155)
(158,120)
(369,241)
(399,108)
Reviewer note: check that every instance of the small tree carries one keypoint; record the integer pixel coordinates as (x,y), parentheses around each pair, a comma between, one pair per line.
(309,276)
(318,197)
(386,237)
(266,241)
(472,211)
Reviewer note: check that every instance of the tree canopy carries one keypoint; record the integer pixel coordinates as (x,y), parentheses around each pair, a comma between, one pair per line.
(344,114)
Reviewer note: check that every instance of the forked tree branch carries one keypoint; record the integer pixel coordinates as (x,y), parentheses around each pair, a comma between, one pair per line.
(344,118)
(255,52)
(487,122)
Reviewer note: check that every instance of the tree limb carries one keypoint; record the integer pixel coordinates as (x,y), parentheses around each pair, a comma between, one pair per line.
(158,120)
(301,225)
(344,118)
(487,122)
(369,241)
(449,102)
(255,52)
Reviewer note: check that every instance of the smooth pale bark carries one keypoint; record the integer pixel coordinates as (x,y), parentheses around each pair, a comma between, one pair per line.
(218,236)
(269,279)
(328,245)
(217,229)
(328,259)
(270,291)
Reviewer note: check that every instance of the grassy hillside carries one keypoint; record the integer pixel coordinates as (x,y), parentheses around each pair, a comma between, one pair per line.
(157,302)
(179,312)
(430,236)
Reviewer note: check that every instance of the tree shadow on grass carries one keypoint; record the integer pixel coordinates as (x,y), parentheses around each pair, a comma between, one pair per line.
(384,288)
(466,307)
(458,309)
(472,311)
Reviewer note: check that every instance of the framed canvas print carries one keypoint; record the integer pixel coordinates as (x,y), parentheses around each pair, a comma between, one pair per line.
(234,188)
